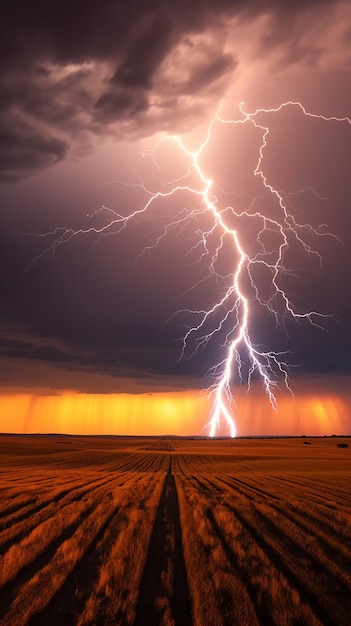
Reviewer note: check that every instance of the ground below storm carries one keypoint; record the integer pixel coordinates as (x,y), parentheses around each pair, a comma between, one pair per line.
(174,531)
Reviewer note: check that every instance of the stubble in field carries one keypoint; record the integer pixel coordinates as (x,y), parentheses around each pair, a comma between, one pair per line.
(174,531)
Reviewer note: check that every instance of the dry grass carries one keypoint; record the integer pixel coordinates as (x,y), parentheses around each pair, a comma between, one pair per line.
(140,531)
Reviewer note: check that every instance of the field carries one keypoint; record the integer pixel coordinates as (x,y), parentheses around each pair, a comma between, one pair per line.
(144,531)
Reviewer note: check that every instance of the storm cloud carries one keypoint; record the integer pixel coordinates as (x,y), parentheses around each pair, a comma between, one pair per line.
(72,72)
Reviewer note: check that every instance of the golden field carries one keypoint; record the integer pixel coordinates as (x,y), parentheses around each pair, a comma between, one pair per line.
(127,530)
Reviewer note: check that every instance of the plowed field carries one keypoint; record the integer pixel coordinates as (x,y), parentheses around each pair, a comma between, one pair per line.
(149,531)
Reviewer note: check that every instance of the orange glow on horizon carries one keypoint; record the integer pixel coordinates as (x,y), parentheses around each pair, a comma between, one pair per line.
(103,414)
(307,414)
(175,413)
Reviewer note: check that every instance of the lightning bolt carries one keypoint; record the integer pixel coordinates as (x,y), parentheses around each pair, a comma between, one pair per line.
(231,314)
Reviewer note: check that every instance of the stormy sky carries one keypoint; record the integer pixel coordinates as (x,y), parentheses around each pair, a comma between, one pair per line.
(85,87)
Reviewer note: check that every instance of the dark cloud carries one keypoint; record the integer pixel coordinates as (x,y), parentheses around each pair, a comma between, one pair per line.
(29,350)
(69,69)
(119,102)
(72,73)
(143,58)
(25,149)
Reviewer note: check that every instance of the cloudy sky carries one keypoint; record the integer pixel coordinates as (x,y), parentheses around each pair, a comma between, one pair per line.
(87,90)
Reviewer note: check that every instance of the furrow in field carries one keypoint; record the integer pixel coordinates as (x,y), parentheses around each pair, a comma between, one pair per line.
(285,576)
(163,594)
(329,592)
(218,594)
(310,578)
(44,510)
(275,599)
(316,489)
(20,565)
(332,551)
(69,600)
(315,552)
(22,503)
(333,524)
(251,491)
(312,520)
(335,543)
(290,557)
(50,574)
(113,599)
(312,487)
(336,524)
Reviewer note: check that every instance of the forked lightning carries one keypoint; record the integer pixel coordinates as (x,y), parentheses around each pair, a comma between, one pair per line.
(231,315)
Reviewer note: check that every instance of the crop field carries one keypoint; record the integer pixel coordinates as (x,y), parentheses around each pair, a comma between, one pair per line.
(107,530)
